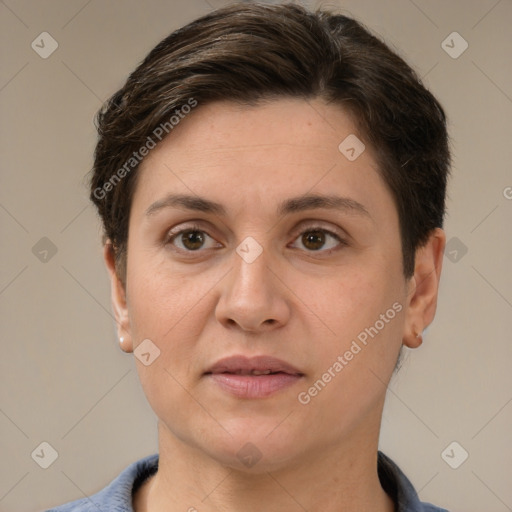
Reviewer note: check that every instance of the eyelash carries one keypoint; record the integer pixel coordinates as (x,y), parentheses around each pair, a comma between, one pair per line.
(172,236)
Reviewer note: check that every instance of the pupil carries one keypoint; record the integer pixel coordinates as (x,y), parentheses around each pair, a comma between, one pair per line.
(193,239)
(313,240)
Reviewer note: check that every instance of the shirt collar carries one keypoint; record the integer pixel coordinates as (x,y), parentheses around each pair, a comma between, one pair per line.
(117,496)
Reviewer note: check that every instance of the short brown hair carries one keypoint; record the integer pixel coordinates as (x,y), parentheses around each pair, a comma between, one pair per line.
(248,53)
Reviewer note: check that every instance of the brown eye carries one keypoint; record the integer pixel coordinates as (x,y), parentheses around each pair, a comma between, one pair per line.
(318,239)
(192,240)
(189,240)
(313,240)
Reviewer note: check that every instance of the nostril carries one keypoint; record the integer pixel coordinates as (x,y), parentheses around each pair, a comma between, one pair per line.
(232,323)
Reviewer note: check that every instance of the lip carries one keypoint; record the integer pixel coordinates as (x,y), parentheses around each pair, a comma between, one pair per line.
(253,377)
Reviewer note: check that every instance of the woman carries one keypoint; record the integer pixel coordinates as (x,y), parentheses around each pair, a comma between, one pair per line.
(271,184)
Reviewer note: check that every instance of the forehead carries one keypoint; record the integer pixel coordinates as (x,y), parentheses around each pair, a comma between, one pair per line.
(226,128)
(247,155)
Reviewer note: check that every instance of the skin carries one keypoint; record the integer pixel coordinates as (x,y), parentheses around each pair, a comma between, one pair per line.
(298,301)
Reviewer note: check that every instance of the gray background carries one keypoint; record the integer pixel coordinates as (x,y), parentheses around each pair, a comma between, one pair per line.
(63,378)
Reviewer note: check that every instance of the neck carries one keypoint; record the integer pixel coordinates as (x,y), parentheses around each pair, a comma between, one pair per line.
(336,479)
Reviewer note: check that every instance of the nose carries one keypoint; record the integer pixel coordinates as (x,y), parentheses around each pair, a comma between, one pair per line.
(252,297)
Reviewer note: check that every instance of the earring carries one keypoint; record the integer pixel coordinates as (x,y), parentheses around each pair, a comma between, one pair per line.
(121,339)
(419,337)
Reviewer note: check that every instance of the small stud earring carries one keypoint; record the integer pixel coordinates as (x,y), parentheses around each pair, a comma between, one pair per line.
(419,337)
(121,339)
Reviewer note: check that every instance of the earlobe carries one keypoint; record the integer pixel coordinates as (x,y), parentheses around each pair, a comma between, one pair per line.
(118,297)
(413,341)
(422,299)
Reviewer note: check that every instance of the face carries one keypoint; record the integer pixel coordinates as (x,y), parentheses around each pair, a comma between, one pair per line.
(255,245)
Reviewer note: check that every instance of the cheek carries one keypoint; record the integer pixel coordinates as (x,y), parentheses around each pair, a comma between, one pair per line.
(353,367)
(162,301)
(172,310)
(353,299)
(167,310)
(364,312)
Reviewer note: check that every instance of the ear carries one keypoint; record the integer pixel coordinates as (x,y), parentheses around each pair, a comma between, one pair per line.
(118,297)
(423,288)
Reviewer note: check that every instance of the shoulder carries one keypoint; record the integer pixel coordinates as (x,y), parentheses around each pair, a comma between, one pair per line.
(400,489)
(427,507)
(117,496)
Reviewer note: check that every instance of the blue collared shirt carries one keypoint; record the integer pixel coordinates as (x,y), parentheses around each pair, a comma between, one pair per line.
(117,496)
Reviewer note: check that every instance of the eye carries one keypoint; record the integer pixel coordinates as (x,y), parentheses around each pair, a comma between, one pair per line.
(191,239)
(316,239)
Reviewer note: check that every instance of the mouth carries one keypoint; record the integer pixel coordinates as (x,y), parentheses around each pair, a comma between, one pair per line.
(253,377)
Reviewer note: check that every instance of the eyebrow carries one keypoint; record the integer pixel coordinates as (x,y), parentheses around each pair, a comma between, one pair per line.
(317,201)
(292,205)
(187,202)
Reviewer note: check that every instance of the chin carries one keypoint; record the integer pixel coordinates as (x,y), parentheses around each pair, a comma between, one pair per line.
(255,445)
